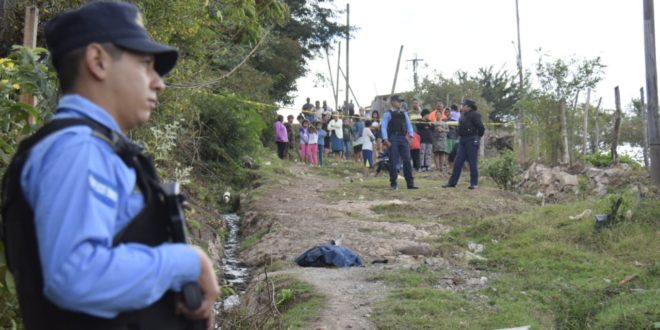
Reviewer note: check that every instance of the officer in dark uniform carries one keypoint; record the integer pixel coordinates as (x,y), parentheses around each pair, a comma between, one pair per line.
(397,132)
(470,131)
(83,213)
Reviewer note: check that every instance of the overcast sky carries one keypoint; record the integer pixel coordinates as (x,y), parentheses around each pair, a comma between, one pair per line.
(451,35)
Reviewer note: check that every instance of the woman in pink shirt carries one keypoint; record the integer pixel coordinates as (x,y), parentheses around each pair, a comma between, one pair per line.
(281,137)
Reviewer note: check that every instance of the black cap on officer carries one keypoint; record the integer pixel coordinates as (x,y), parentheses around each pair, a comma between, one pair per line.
(470,103)
(117,22)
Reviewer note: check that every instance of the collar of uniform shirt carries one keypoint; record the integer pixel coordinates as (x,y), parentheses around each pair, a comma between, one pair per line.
(74,105)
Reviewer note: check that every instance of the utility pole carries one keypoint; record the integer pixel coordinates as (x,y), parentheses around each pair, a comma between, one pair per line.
(30,41)
(414,63)
(332,81)
(348,36)
(338,67)
(652,91)
(645,146)
(521,92)
(396,72)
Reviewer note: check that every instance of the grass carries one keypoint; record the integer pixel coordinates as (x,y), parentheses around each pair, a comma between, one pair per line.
(297,301)
(250,241)
(554,272)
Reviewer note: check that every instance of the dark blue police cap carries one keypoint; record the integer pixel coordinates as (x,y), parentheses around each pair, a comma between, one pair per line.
(470,103)
(117,22)
(396,98)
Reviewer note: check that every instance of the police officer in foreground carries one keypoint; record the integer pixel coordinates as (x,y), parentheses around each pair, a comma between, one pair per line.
(397,134)
(82,213)
(470,131)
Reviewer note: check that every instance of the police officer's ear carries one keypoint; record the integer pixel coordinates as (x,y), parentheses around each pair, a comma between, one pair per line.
(97,60)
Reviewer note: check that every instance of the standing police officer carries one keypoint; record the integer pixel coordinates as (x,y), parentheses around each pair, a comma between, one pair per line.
(470,131)
(397,134)
(82,209)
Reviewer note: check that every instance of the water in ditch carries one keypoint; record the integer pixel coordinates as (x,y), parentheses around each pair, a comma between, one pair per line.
(235,271)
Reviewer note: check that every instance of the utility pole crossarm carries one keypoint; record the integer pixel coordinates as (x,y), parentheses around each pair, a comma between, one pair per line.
(414,63)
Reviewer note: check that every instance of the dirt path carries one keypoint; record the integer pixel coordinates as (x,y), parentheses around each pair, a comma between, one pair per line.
(314,209)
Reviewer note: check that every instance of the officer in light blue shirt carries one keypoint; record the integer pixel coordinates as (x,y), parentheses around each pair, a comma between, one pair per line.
(397,132)
(82,194)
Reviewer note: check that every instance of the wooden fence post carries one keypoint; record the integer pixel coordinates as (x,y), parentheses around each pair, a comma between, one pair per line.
(30,41)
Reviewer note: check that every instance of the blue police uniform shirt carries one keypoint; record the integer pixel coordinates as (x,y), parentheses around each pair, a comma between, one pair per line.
(82,194)
(387,116)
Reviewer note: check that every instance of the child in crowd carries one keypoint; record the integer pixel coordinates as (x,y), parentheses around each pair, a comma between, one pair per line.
(347,129)
(414,150)
(321,141)
(368,139)
(425,129)
(304,140)
(312,145)
(375,128)
(383,164)
(357,130)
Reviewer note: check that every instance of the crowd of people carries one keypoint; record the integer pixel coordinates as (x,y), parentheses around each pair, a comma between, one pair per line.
(424,139)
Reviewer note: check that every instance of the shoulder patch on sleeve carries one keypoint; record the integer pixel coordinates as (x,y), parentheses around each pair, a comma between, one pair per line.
(102,189)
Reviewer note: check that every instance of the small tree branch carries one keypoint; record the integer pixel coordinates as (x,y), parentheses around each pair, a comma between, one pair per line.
(228,74)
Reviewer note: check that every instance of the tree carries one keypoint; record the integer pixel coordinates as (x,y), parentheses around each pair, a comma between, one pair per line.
(563,80)
(500,90)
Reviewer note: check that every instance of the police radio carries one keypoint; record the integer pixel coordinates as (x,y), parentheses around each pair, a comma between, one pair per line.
(192,294)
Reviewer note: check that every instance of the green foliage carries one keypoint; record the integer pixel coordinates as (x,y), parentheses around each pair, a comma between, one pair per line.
(283,297)
(231,128)
(439,88)
(499,89)
(504,170)
(23,72)
(563,78)
(602,159)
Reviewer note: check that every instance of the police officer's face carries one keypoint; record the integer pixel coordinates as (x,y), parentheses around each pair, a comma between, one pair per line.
(135,84)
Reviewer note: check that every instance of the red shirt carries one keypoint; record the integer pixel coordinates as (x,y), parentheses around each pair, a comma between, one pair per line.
(416,142)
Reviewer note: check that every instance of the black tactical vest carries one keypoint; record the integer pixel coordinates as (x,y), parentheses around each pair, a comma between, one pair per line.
(149,227)
(397,124)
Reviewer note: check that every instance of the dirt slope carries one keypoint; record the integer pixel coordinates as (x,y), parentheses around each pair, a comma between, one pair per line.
(304,208)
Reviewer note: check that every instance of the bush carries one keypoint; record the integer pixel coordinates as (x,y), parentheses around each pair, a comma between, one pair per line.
(504,170)
(603,159)
(23,71)
(232,128)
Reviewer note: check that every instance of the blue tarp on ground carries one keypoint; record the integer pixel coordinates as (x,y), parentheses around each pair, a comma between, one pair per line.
(328,256)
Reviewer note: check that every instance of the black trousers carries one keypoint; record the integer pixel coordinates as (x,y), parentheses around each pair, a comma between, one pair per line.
(415,158)
(468,149)
(400,152)
(281,149)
